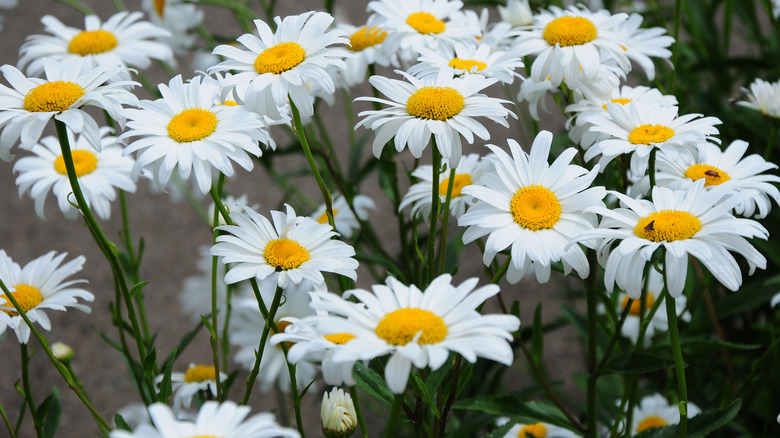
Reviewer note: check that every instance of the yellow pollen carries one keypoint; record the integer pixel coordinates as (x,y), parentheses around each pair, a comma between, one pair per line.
(159,6)
(466,64)
(646,134)
(27,296)
(285,254)
(636,305)
(192,125)
(279,58)
(340,338)
(92,42)
(52,96)
(400,326)
(435,103)
(712,175)
(365,38)
(620,100)
(230,103)
(535,208)
(461,180)
(426,23)
(650,422)
(200,374)
(323,219)
(667,226)
(537,430)
(85,162)
(569,31)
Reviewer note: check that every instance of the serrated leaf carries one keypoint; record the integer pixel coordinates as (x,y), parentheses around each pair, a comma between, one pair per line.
(48,414)
(373,384)
(638,363)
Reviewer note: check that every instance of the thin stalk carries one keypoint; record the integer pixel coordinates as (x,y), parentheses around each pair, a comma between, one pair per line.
(442,422)
(445,220)
(119,5)
(79,6)
(679,365)
(770,144)
(394,417)
(358,411)
(268,314)
(615,336)
(135,277)
(213,335)
(350,116)
(28,397)
(651,168)
(592,362)
(435,200)
(10,427)
(676,49)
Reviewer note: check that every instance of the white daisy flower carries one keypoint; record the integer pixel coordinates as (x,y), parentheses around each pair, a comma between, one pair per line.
(469,59)
(763,96)
(640,127)
(495,35)
(178,18)
(337,416)
(290,250)
(187,131)
(100,173)
(284,63)
(225,419)
(444,107)
(40,285)
(655,411)
(30,103)
(539,430)
(469,171)
(641,44)
(365,45)
(122,40)
(535,208)
(246,327)
(567,41)
(345,217)
(695,221)
(517,13)
(411,24)
(231,203)
(197,378)
(416,327)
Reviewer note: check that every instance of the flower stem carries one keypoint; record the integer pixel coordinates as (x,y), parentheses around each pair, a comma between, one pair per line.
(10,427)
(679,365)
(268,314)
(27,388)
(435,200)
(358,411)
(394,417)
(213,334)
(445,221)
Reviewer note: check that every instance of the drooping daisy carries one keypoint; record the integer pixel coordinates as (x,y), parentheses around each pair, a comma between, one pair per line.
(198,378)
(638,128)
(281,64)
(763,96)
(30,103)
(469,59)
(365,45)
(411,24)
(416,327)
(692,222)
(292,249)
(469,171)
(40,285)
(567,41)
(533,207)
(345,217)
(539,430)
(188,132)
(100,173)
(177,17)
(444,107)
(655,411)
(225,419)
(641,44)
(122,40)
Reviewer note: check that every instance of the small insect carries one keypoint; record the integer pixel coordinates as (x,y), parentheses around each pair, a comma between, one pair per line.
(712,173)
(649,227)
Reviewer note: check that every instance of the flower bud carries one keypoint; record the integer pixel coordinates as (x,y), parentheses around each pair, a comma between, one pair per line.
(516,13)
(62,351)
(338,416)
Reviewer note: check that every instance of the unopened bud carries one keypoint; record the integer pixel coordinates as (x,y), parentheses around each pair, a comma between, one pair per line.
(338,416)
(62,352)
(516,13)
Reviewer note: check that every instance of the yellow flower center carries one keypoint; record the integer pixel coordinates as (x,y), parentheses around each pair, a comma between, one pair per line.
(712,175)
(340,338)
(650,422)
(159,7)
(620,100)
(230,103)
(460,181)
(424,22)
(667,226)
(323,219)
(92,42)
(535,208)
(537,430)
(569,31)
(84,161)
(27,296)
(52,96)
(285,254)
(400,326)
(466,64)
(435,103)
(192,125)
(282,325)
(279,58)
(365,38)
(200,374)
(646,134)
(636,305)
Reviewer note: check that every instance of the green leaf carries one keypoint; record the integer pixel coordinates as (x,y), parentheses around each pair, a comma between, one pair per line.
(537,343)
(150,365)
(165,385)
(373,384)
(702,343)
(515,405)
(502,430)
(638,363)
(748,298)
(700,426)
(422,389)
(121,424)
(137,288)
(49,413)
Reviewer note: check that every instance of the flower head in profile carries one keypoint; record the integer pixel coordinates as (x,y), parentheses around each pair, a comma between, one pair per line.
(100,172)
(124,39)
(42,284)
(346,217)
(30,103)
(289,250)
(282,65)
(189,132)
(198,378)
(444,107)
(533,208)
(763,96)
(655,411)
(416,327)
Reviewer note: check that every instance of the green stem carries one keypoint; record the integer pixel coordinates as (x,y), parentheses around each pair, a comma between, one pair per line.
(10,427)
(651,169)
(27,388)
(770,144)
(214,336)
(394,417)
(616,334)
(445,221)
(268,314)
(435,200)
(79,6)
(679,365)
(358,411)
(676,49)
(592,353)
